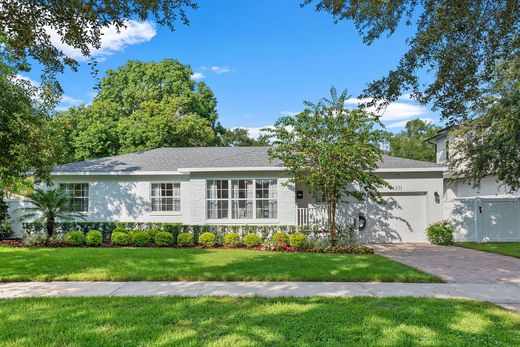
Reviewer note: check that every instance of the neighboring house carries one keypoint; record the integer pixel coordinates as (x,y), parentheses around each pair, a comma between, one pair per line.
(238,186)
(490,212)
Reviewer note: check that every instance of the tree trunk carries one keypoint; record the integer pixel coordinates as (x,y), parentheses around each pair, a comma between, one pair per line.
(50,226)
(333,233)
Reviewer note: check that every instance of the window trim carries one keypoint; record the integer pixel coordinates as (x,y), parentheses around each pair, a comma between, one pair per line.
(165,213)
(88,196)
(240,221)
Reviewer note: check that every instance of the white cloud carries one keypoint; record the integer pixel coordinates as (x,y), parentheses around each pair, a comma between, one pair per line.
(65,99)
(111,41)
(289,113)
(23,78)
(197,76)
(394,111)
(220,69)
(402,124)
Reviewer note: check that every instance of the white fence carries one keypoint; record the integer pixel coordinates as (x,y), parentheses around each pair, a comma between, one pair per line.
(13,205)
(485,219)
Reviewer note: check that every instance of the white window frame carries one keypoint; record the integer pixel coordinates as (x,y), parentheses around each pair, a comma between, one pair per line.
(229,219)
(64,187)
(217,199)
(174,197)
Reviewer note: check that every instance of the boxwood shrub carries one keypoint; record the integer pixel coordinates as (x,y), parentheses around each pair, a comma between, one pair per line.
(298,241)
(120,230)
(279,238)
(185,239)
(232,239)
(94,238)
(75,238)
(164,239)
(251,240)
(152,232)
(140,238)
(120,239)
(207,239)
(440,233)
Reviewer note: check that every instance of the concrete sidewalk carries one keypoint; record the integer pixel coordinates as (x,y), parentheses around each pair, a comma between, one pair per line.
(507,295)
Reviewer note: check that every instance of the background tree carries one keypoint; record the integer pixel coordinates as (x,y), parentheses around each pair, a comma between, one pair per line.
(490,143)
(48,206)
(459,42)
(333,150)
(410,142)
(26,137)
(239,137)
(141,106)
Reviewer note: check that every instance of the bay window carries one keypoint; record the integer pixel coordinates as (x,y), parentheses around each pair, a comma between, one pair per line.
(246,198)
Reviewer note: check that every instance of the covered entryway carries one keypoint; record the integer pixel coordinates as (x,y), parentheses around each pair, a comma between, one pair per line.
(402,219)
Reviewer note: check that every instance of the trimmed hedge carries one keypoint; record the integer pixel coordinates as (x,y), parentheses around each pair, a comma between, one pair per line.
(140,238)
(120,239)
(120,230)
(251,240)
(207,239)
(94,238)
(152,232)
(298,241)
(280,237)
(185,239)
(75,238)
(164,239)
(106,228)
(232,239)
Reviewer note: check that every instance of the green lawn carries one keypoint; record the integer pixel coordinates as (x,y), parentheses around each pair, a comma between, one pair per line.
(148,264)
(174,321)
(506,248)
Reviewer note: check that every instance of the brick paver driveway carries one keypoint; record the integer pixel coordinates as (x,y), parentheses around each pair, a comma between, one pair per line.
(455,264)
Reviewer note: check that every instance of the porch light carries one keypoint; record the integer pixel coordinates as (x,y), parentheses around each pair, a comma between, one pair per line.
(437,197)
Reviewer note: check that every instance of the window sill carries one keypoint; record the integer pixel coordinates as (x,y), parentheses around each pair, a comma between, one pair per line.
(166,213)
(259,221)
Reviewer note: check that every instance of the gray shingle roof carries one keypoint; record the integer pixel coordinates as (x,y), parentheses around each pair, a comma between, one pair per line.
(171,159)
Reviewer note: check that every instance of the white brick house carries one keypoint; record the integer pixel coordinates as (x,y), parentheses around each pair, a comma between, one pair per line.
(239,185)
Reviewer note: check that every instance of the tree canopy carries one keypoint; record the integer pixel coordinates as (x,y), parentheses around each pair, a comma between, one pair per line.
(410,142)
(239,137)
(141,106)
(333,150)
(490,143)
(459,42)
(27,27)
(26,137)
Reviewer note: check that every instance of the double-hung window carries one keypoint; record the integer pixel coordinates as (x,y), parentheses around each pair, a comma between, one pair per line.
(266,199)
(218,199)
(166,197)
(242,195)
(242,199)
(77,194)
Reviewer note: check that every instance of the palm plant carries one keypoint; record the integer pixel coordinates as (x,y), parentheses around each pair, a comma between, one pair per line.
(48,206)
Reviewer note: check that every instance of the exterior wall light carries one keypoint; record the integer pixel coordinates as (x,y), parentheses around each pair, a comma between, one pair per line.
(437,197)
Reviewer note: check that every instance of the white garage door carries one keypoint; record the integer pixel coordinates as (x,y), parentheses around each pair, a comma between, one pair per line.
(402,219)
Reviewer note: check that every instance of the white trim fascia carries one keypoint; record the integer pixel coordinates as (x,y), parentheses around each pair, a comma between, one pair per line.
(119,173)
(186,171)
(232,169)
(422,169)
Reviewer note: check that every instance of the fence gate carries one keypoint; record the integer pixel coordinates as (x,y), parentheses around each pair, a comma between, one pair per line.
(485,219)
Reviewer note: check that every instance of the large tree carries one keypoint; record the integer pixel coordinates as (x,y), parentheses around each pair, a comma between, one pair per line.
(458,42)
(141,106)
(333,150)
(409,143)
(26,137)
(490,143)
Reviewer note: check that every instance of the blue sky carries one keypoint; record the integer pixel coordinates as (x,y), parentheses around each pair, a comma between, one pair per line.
(262,59)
